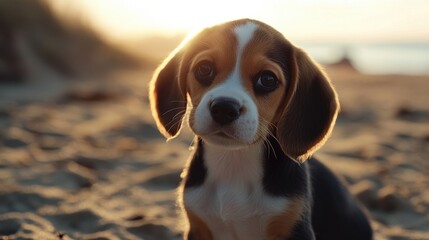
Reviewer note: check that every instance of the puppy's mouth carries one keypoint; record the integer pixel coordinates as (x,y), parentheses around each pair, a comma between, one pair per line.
(225,138)
(220,134)
(223,134)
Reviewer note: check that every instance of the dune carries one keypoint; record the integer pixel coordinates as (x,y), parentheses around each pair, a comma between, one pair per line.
(64,41)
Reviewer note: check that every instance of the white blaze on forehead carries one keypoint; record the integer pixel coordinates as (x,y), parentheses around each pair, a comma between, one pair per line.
(244,34)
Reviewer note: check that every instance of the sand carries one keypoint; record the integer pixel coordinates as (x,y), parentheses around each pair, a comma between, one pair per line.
(82,158)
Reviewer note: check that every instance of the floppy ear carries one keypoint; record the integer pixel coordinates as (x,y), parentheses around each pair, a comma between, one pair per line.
(168,96)
(311,111)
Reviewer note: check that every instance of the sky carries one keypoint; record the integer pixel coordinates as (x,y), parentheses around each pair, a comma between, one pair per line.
(304,20)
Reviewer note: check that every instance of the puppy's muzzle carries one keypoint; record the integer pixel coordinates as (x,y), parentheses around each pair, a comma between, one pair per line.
(224,110)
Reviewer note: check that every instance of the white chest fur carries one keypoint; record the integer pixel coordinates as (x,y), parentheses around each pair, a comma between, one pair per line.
(231,201)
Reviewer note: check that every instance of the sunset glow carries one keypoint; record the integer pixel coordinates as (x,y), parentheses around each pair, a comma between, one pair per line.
(393,20)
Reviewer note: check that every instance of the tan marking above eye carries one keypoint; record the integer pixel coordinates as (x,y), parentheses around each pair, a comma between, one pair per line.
(268,65)
(202,56)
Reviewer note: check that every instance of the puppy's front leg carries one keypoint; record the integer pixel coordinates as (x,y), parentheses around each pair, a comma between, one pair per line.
(304,232)
(197,236)
(198,230)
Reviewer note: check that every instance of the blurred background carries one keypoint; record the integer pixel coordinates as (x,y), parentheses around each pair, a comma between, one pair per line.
(81,158)
(380,36)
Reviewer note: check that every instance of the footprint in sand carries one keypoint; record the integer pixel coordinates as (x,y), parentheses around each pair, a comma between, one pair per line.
(84,221)
(9,227)
(62,178)
(24,202)
(163,181)
(152,232)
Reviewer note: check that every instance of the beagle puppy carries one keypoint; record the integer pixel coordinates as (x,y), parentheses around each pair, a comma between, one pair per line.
(259,107)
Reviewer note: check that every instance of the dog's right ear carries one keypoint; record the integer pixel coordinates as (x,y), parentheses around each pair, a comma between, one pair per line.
(167,94)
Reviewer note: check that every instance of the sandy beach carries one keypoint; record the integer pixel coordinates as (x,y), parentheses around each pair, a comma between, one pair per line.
(81,158)
(84,159)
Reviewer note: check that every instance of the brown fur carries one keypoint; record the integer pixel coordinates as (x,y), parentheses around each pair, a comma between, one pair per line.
(312,110)
(198,230)
(281,226)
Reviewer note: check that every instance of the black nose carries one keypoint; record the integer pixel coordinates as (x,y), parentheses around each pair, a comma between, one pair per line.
(224,110)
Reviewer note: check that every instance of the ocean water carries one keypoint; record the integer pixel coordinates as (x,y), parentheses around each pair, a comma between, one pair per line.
(375,58)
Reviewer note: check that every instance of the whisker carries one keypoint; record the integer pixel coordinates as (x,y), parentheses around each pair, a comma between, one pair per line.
(266,132)
(172,125)
(270,133)
(179,114)
(174,120)
(193,143)
(174,109)
(268,143)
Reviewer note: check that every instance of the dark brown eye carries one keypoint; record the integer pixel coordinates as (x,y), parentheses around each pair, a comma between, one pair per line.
(265,82)
(205,72)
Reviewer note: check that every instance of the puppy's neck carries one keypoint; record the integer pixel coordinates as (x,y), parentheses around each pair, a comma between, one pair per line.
(233,165)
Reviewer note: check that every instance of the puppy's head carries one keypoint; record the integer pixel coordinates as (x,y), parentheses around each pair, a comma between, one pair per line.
(242,81)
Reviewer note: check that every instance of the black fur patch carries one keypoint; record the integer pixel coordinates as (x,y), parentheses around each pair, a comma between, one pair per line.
(197,170)
(283,177)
